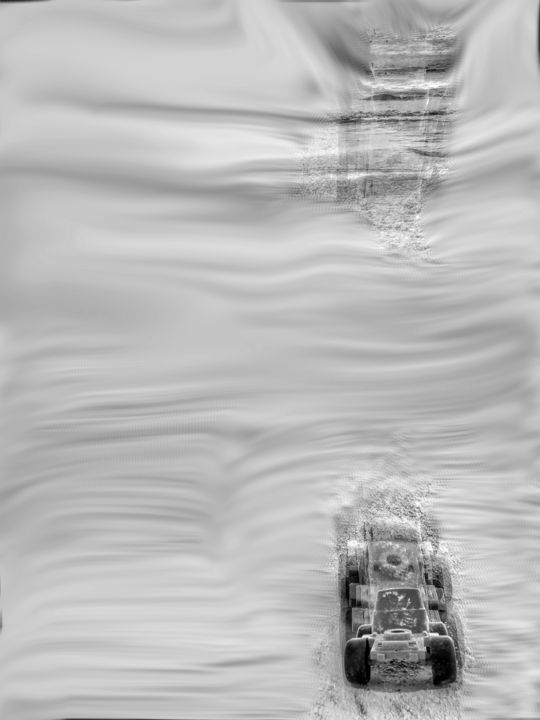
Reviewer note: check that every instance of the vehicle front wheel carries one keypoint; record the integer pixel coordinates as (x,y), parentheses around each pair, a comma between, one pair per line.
(356,662)
(443,660)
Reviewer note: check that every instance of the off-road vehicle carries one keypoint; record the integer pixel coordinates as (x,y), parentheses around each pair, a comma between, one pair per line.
(400,631)
(396,597)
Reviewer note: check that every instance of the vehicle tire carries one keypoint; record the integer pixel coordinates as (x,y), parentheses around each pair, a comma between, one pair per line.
(351,578)
(356,662)
(443,660)
(442,578)
(346,625)
(363,566)
(400,634)
(364,597)
(363,630)
(455,631)
(432,530)
(438,627)
(353,595)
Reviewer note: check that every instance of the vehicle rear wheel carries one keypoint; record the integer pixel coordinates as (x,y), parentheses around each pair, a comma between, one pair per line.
(356,662)
(363,630)
(442,578)
(443,660)
(438,627)
(363,568)
(352,578)
(346,630)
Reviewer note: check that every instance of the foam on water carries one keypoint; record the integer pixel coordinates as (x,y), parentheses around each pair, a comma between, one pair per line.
(194,361)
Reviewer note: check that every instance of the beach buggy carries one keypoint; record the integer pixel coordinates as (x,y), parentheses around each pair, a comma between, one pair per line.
(395,597)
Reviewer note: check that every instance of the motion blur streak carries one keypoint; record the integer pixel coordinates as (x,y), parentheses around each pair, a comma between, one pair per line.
(194,361)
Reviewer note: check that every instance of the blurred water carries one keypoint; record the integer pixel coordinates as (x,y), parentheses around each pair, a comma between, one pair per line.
(195,362)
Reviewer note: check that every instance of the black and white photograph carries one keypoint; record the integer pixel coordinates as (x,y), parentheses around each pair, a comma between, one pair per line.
(269,359)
